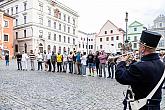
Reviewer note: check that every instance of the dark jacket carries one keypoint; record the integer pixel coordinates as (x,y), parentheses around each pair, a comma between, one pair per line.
(143,76)
(19,57)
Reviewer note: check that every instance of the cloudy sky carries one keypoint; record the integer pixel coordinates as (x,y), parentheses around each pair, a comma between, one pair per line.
(94,13)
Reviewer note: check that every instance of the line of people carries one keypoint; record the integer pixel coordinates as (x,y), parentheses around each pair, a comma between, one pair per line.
(75,62)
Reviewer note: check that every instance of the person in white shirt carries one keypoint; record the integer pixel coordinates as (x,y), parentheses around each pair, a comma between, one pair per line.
(39,60)
(49,61)
(65,61)
(24,61)
(83,62)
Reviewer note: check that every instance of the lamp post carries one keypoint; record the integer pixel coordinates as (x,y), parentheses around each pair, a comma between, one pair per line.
(126,21)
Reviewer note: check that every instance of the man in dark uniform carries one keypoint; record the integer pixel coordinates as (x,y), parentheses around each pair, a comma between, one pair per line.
(144,75)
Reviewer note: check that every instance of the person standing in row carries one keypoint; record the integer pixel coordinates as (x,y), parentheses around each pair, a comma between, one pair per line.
(59,62)
(19,58)
(97,62)
(65,61)
(49,61)
(83,62)
(53,61)
(78,63)
(45,60)
(90,61)
(32,58)
(70,61)
(24,61)
(7,59)
(111,66)
(74,63)
(39,60)
(102,57)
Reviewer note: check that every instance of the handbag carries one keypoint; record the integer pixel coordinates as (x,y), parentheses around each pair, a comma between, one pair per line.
(137,104)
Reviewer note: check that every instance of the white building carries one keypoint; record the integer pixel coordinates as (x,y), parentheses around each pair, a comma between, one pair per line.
(110,38)
(86,42)
(159,26)
(42,25)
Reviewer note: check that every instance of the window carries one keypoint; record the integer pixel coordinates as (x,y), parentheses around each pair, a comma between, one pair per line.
(64,39)
(41,20)
(64,28)
(107,38)
(16,22)
(105,32)
(117,37)
(25,33)
(74,22)
(59,16)
(40,33)
(79,45)
(112,39)
(7,11)
(54,25)
(91,39)
(68,19)
(54,37)
(68,29)
(49,35)
(54,49)
(59,50)
(16,9)
(16,48)
(24,19)
(6,37)
(59,38)
(49,23)
(101,46)
(49,10)
(112,44)
(129,38)
(68,39)
(12,10)
(111,31)
(86,46)
(64,17)
(6,24)
(101,39)
(16,35)
(25,46)
(41,6)
(135,45)
(135,38)
(74,31)
(135,29)
(91,46)
(25,6)
(160,24)
(73,41)
(59,26)
(83,46)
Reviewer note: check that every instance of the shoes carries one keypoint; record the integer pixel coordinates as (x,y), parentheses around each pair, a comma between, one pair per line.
(108,77)
(89,74)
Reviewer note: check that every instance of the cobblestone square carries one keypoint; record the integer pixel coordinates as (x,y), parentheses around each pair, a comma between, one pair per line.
(39,90)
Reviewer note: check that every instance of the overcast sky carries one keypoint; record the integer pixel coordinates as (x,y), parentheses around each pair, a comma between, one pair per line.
(94,13)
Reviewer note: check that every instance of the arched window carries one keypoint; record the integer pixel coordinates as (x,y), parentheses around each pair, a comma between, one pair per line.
(54,49)
(49,48)
(40,48)
(68,50)
(25,45)
(59,49)
(64,49)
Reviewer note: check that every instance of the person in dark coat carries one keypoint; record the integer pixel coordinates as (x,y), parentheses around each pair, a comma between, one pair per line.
(97,62)
(19,58)
(144,75)
(7,59)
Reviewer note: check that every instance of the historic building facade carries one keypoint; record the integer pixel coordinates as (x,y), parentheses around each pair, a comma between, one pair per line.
(159,26)
(86,42)
(134,33)
(6,33)
(110,38)
(42,25)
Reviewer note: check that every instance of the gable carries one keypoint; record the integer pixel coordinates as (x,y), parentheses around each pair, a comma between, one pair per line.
(135,24)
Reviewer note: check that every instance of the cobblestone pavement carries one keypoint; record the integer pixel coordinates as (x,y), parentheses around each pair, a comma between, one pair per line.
(37,90)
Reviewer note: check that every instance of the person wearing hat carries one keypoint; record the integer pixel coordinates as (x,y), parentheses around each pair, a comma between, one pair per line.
(144,75)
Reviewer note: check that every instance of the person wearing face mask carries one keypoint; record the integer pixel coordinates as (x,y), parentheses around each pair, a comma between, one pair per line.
(145,74)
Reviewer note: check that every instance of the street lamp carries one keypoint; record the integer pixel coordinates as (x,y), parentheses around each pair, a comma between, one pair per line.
(126,21)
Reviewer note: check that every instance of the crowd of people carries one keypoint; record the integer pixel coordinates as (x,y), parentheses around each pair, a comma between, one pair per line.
(75,62)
